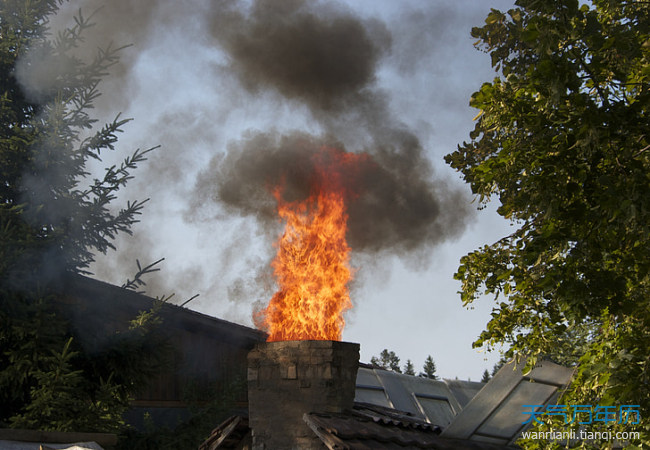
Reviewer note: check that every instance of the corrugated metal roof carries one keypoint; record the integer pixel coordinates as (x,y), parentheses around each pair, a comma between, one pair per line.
(371,427)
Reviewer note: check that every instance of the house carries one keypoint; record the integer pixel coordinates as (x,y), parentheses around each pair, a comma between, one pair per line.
(309,394)
(207,353)
(315,395)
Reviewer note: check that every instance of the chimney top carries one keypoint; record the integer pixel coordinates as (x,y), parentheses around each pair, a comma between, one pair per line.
(287,379)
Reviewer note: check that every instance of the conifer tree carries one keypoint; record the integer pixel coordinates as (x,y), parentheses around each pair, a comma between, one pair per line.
(53,219)
(429,369)
(408,368)
(387,360)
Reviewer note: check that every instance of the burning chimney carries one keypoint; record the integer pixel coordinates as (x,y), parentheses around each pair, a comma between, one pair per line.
(287,379)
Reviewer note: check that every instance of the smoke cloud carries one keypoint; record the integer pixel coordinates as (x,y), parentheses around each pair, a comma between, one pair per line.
(396,208)
(309,52)
(246,94)
(327,59)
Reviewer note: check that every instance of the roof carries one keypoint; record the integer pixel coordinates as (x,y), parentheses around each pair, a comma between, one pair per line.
(487,412)
(229,435)
(198,350)
(365,427)
(100,305)
(397,411)
(436,401)
(494,414)
(368,427)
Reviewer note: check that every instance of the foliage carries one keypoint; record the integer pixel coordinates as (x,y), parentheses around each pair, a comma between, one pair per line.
(208,408)
(387,360)
(562,141)
(50,380)
(408,368)
(573,342)
(53,219)
(51,215)
(56,403)
(486,376)
(138,282)
(429,369)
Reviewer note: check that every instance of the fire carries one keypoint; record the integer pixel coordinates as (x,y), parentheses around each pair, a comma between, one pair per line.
(312,262)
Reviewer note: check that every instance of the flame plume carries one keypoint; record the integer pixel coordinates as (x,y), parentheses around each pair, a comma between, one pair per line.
(312,262)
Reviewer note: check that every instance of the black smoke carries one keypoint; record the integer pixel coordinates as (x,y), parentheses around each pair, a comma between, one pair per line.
(317,59)
(395,208)
(327,59)
(310,52)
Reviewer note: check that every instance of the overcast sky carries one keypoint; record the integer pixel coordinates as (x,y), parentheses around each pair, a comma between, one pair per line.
(228,87)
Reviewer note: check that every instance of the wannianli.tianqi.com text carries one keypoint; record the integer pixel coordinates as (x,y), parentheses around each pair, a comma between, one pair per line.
(583,415)
(581,435)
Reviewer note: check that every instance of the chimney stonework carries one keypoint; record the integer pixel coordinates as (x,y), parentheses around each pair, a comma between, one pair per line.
(287,379)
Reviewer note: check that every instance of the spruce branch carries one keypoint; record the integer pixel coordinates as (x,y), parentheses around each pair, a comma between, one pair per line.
(137,281)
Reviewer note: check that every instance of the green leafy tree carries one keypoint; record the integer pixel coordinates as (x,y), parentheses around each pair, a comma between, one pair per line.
(53,219)
(429,369)
(387,360)
(409,369)
(486,376)
(562,142)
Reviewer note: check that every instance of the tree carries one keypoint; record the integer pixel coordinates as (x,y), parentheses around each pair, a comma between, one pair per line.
(408,368)
(387,360)
(486,376)
(429,369)
(53,216)
(498,365)
(53,219)
(562,142)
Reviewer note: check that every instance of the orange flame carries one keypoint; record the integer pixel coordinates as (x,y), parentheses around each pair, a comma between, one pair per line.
(312,262)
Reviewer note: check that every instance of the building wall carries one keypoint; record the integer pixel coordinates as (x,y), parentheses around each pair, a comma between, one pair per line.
(208,355)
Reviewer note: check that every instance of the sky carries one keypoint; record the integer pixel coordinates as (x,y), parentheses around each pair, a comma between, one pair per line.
(236,93)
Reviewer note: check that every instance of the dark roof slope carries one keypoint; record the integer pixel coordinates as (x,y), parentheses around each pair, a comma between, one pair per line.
(365,427)
(97,306)
(368,427)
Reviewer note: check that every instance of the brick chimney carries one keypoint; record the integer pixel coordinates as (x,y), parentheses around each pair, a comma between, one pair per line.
(288,379)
